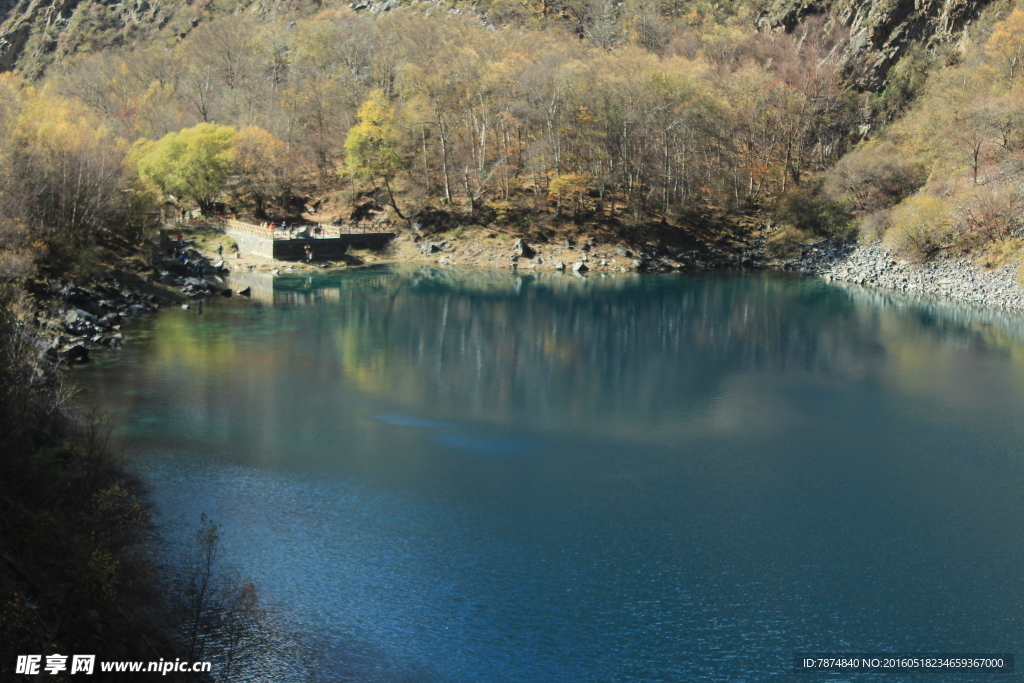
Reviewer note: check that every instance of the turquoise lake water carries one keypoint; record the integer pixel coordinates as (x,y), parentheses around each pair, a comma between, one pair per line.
(445,476)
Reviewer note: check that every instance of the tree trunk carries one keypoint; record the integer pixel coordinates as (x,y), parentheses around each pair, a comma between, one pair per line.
(391,196)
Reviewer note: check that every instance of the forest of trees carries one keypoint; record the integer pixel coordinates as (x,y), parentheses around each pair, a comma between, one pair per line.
(585,112)
(625,114)
(623,118)
(63,182)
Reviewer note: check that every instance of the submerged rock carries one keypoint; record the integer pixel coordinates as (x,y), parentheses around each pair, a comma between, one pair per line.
(77,354)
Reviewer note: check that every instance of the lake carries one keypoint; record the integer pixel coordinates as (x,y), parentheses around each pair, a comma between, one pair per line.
(448,476)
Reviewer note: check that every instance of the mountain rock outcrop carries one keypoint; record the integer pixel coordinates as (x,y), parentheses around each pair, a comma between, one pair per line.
(37,33)
(881,31)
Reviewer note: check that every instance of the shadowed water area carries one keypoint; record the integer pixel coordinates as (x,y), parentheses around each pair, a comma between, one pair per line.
(444,476)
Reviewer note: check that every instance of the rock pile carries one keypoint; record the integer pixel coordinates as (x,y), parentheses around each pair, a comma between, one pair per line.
(484,248)
(872,264)
(92,317)
(85,318)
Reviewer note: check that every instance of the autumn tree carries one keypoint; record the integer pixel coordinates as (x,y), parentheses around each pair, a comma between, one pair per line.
(983,215)
(262,167)
(876,176)
(645,24)
(571,186)
(371,148)
(659,117)
(232,54)
(1005,47)
(64,182)
(920,226)
(327,78)
(192,163)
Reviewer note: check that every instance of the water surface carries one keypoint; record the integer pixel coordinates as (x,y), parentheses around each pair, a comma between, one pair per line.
(446,476)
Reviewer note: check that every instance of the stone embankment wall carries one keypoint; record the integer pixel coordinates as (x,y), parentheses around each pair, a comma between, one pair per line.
(872,264)
(329,247)
(258,241)
(250,244)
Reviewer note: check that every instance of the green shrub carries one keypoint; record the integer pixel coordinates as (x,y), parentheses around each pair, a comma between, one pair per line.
(1001,253)
(875,176)
(810,210)
(920,227)
(785,242)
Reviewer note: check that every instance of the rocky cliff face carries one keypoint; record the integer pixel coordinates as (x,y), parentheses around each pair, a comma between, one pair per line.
(35,33)
(881,31)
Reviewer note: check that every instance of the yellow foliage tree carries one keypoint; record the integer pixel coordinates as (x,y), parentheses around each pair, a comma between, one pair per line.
(371,148)
(63,178)
(262,166)
(571,186)
(920,226)
(1005,47)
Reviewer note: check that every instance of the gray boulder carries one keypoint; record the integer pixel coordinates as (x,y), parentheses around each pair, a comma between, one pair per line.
(75,315)
(429,248)
(523,249)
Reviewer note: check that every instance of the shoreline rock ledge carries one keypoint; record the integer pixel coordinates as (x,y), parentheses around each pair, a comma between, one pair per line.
(873,265)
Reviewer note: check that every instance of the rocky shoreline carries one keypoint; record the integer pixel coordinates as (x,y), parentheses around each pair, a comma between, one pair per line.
(834,260)
(873,265)
(492,250)
(76,320)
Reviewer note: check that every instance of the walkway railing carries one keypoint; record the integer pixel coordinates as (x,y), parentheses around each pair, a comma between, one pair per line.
(211,222)
(307,230)
(241,226)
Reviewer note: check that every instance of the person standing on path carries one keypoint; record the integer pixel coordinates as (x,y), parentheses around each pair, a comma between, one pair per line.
(309,254)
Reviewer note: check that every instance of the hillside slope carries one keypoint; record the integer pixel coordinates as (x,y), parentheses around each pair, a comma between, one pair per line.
(38,33)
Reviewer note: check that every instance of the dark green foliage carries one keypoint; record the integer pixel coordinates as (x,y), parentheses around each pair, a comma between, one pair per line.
(905,82)
(810,210)
(75,576)
(872,178)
